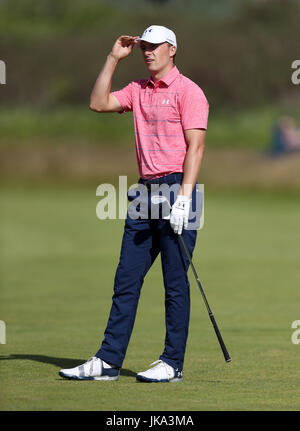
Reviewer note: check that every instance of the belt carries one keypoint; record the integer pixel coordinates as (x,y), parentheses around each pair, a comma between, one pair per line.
(167,179)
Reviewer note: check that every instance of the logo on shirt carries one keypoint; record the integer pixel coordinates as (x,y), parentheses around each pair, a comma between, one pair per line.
(166,101)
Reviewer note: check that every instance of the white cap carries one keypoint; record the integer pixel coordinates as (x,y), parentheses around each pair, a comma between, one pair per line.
(159,34)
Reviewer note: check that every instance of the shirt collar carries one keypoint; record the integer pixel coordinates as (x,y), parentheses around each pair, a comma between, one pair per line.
(167,79)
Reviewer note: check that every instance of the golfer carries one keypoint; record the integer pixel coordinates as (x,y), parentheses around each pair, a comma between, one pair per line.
(170,118)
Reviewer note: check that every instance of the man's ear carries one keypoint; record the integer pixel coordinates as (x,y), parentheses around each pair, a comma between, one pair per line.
(173,50)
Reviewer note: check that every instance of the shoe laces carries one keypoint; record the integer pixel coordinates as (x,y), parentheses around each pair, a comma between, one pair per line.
(93,358)
(161,364)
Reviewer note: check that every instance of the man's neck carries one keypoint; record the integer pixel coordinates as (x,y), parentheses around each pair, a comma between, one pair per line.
(161,73)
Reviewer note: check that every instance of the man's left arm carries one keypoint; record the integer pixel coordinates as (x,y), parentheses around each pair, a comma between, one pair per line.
(195,142)
(180,210)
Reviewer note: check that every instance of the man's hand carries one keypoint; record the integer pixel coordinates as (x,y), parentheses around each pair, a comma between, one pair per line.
(180,214)
(123,46)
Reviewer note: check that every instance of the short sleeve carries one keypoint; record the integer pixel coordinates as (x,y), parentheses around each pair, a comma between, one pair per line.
(194,108)
(124,96)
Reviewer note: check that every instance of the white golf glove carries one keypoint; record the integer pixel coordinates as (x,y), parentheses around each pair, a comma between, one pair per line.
(180,214)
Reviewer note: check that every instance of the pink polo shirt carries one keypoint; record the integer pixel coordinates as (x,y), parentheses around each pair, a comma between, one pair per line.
(161,113)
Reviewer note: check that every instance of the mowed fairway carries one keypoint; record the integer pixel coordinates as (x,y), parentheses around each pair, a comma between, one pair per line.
(58,264)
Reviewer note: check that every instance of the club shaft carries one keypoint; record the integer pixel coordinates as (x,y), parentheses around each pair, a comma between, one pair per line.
(213,321)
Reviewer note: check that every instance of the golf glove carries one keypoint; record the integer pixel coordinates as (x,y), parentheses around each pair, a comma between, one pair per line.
(180,214)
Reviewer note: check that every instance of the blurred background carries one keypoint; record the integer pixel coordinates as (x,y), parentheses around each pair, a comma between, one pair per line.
(239,52)
(58,260)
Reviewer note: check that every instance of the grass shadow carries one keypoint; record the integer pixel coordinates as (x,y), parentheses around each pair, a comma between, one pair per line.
(59,362)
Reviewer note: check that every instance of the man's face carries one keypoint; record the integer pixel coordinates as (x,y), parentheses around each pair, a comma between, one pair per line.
(157,55)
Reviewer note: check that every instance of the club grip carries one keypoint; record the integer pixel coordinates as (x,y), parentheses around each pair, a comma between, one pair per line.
(222,344)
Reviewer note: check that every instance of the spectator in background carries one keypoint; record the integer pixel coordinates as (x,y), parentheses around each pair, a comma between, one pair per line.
(286,136)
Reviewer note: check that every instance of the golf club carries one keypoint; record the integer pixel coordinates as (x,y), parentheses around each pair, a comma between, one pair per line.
(162,199)
(213,321)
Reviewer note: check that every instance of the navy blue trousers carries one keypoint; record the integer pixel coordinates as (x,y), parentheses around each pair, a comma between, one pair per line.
(143,241)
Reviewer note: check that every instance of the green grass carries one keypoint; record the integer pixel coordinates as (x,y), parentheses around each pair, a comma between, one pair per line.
(51,127)
(248,128)
(58,264)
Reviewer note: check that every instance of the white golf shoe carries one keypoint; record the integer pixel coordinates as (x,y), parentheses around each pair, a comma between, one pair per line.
(93,369)
(160,373)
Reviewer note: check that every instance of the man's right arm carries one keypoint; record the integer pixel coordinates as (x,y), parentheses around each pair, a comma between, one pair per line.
(102,100)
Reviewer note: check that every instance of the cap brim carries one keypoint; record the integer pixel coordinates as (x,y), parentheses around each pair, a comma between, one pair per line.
(150,41)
